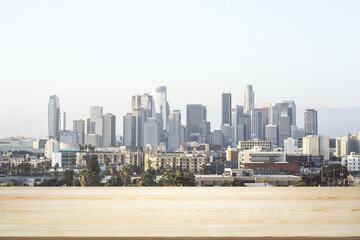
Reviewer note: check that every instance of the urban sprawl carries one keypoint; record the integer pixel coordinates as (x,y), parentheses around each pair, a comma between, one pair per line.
(254,147)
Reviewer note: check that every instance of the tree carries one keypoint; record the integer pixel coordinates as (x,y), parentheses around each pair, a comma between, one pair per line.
(93,164)
(311,180)
(114,181)
(107,162)
(68,177)
(73,162)
(23,168)
(89,178)
(147,178)
(334,172)
(177,178)
(112,169)
(126,172)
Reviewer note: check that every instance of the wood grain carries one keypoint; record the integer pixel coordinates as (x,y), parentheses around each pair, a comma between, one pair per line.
(180,212)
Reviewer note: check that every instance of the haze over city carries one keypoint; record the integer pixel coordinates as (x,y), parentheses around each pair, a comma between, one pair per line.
(91,53)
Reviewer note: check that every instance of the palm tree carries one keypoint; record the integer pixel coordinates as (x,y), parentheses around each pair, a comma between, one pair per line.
(126,173)
(107,162)
(73,162)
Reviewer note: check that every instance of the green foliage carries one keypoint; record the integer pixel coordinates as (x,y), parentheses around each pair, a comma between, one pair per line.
(309,180)
(177,178)
(89,178)
(335,171)
(114,181)
(93,165)
(23,168)
(126,172)
(147,178)
(76,182)
(68,177)
(233,184)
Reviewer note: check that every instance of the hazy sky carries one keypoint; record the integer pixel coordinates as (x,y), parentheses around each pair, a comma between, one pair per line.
(103,52)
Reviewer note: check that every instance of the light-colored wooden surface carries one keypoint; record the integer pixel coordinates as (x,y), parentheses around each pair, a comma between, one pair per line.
(173,212)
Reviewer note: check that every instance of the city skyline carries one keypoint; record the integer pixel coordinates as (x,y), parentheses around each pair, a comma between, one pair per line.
(290,51)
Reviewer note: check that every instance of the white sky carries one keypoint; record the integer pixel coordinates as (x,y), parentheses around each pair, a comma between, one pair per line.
(103,52)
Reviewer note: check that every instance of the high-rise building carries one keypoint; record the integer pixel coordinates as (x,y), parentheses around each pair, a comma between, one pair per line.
(63,121)
(284,128)
(346,145)
(79,127)
(195,114)
(54,118)
(161,105)
(217,138)
(96,120)
(226,109)
(290,145)
(139,127)
(109,133)
(86,125)
(310,122)
(266,115)
(292,106)
(69,138)
(152,133)
(316,146)
(129,131)
(257,124)
(227,132)
(146,102)
(271,134)
(237,114)
(174,138)
(249,102)
(51,146)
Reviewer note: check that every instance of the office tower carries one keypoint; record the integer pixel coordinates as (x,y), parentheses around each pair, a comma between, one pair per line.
(217,138)
(139,127)
(174,138)
(316,146)
(284,129)
(292,106)
(129,131)
(249,102)
(257,124)
(195,114)
(226,109)
(161,105)
(227,132)
(63,121)
(310,122)
(237,113)
(68,138)
(271,134)
(205,132)
(86,125)
(266,115)
(246,121)
(300,133)
(54,118)
(146,102)
(79,127)
(183,134)
(109,135)
(93,140)
(294,133)
(96,120)
(151,134)
(275,115)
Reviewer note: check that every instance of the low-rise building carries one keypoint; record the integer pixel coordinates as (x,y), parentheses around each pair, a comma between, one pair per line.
(258,155)
(250,144)
(193,161)
(351,162)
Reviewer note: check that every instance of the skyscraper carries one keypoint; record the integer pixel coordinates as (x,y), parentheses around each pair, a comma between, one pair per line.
(79,127)
(284,128)
(310,122)
(152,133)
(146,102)
(291,104)
(63,121)
(109,133)
(257,123)
(96,120)
(237,113)
(161,105)
(54,118)
(249,99)
(195,114)
(226,109)
(174,138)
(129,131)
(271,134)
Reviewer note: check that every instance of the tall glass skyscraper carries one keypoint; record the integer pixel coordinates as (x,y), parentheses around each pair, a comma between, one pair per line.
(226,109)
(310,122)
(161,105)
(54,118)
(248,99)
